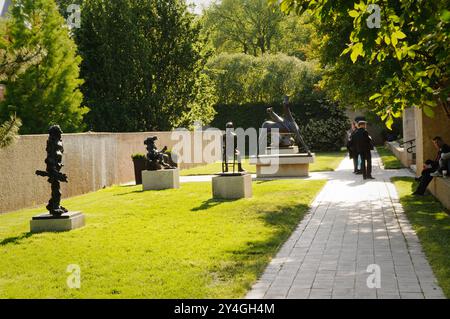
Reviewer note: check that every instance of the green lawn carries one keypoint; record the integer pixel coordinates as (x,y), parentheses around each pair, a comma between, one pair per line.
(157,244)
(324,162)
(389,159)
(432,224)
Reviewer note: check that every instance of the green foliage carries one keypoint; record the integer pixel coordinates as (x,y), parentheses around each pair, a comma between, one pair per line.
(46,92)
(138,156)
(9,131)
(242,78)
(143,64)
(411,48)
(253,27)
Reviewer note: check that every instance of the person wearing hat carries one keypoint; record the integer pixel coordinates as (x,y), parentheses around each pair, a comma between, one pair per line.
(362,144)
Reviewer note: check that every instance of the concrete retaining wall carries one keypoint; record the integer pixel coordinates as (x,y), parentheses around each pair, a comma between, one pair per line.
(401,153)
(440,188)
(92,161)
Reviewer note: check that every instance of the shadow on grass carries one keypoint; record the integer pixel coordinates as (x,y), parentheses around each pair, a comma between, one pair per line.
(15,240)
(431,221)
(251,261)
(210,203)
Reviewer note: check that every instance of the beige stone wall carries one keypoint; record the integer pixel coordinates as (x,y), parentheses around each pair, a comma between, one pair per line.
(426,129)
(409,124)
(401,153)
(92,161)
(440,188)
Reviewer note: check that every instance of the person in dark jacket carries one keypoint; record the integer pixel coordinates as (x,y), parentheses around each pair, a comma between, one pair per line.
(431,166)
(351,151)
(361,142)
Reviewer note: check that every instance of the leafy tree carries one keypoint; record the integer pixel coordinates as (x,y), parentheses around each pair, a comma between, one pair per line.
(413,36)
(143,63)
(242,78)
(9,131)
(46,92)
(247,25)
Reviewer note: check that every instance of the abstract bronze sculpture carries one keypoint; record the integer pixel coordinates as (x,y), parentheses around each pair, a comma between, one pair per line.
(230,138)
(55,152)
(156,160)
(287,127)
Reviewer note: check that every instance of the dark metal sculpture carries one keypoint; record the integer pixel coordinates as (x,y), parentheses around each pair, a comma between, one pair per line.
(55,152)
(157,160)
(227,152)
(287,126)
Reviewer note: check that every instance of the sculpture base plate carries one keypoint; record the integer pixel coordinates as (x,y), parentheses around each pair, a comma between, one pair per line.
(50,223)
(231,174)
(160,180)
(232,187)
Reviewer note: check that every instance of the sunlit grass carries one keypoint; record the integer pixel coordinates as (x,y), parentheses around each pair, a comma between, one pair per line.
(324,162)
(156,244)
(432,223)
(389,159)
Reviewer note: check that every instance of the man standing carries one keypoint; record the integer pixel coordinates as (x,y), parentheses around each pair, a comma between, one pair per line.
(361,142)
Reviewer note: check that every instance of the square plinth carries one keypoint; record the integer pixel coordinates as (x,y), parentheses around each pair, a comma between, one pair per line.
(162,179)
(232,186)
(282,165)
(49,223)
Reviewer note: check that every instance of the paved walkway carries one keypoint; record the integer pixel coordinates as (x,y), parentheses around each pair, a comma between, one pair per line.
(352,224)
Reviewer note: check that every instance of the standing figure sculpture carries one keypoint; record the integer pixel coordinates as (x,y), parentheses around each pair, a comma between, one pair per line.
(285,125)
(230,138)
(156,160)
(55,152)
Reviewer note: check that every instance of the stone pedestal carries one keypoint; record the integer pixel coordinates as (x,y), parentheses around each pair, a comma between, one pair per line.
(159,180)
(49,223)
(232,186)
(282,165)
(282,150)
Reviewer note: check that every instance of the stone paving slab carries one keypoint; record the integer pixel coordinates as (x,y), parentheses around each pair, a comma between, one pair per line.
(352,225)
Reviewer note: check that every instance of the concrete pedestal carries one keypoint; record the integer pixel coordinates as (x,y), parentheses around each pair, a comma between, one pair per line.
(282,165)
(282,150)
(49,223)
(232,186)
(159,180)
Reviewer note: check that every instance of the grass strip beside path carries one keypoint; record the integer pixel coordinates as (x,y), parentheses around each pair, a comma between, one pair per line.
(431,222)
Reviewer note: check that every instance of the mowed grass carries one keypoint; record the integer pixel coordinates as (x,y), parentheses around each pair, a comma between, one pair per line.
(389,159)
(156,244)
(328,161)
(432,223)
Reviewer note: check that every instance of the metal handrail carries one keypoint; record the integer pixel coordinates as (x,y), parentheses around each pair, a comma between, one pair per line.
(410,150)
(408,142)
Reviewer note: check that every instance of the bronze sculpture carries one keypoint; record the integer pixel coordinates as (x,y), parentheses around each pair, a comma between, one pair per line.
(54,163)
(156,160)
(230,138)
(287,127)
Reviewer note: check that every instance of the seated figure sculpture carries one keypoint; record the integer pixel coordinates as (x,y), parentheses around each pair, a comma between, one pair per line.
(54,163)
(156,160)
(286,124)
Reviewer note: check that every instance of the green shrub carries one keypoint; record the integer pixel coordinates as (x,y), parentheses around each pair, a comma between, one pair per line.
(138,156)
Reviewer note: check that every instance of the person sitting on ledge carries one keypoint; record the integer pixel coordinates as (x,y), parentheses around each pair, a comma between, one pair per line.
(431,167)
(444,159)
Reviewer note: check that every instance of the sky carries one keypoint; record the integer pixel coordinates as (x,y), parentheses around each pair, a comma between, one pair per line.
(199,4)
